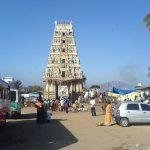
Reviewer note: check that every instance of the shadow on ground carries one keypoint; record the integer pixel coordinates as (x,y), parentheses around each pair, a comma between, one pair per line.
(27,135)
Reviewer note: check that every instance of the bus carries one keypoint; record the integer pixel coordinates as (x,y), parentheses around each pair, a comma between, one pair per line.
(4,102)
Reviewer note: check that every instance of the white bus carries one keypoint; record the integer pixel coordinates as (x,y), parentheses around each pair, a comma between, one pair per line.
(4,101)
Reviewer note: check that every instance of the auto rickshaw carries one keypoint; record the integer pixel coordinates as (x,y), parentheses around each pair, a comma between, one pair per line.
(15,110)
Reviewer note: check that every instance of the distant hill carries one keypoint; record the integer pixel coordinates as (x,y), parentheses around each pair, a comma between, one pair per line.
(118,84)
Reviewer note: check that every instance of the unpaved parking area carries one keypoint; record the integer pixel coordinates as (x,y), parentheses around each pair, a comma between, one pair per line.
(72,131)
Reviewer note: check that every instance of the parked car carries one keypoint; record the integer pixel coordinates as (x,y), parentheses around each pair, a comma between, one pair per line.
(127,113)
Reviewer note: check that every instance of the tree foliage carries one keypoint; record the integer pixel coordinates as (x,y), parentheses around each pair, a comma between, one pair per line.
(147,24)
(95,86)
(147,21)
(33,88)
(16,84)
(149,71)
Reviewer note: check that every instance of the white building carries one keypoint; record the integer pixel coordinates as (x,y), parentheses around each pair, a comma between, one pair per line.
(8,79)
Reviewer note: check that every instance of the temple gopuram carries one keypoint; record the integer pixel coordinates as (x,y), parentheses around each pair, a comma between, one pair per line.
(63,75)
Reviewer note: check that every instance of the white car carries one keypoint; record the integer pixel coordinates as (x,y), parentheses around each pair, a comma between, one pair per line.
(126,113)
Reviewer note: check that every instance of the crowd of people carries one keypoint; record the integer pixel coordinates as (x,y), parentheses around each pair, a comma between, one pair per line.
(106,108)
(46,107)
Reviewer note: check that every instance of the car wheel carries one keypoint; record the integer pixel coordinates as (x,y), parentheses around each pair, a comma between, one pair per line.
(124,122)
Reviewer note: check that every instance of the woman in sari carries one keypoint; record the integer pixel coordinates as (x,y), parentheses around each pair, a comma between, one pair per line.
(108,115)
(40,111)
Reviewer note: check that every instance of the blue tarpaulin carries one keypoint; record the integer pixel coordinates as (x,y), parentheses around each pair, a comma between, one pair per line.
(122,91)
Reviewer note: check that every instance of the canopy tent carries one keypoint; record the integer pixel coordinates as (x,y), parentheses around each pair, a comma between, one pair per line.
(122,91)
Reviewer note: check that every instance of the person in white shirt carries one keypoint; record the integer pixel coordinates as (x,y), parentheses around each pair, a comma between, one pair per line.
(92,103)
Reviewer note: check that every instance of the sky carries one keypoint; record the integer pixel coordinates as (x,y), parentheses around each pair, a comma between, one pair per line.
(112,41)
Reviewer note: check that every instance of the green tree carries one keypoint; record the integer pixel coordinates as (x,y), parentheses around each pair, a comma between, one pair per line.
(149,71)
(95,86)
(33,88)
(147,21)
(17,84)
(147,24)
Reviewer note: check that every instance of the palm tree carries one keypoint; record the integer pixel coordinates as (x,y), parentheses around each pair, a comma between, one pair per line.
(95,86)
(147,24)
(16,84)
(147,21)
(149,71)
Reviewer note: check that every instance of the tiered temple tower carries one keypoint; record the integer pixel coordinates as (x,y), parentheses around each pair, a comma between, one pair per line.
(63,75)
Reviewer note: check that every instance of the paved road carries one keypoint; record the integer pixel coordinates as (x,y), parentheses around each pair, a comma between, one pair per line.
(73,131)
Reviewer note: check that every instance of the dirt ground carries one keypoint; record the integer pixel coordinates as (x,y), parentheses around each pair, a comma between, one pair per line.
(72,131)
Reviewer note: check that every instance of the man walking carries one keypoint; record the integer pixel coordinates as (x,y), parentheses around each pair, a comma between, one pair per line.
(93,111)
